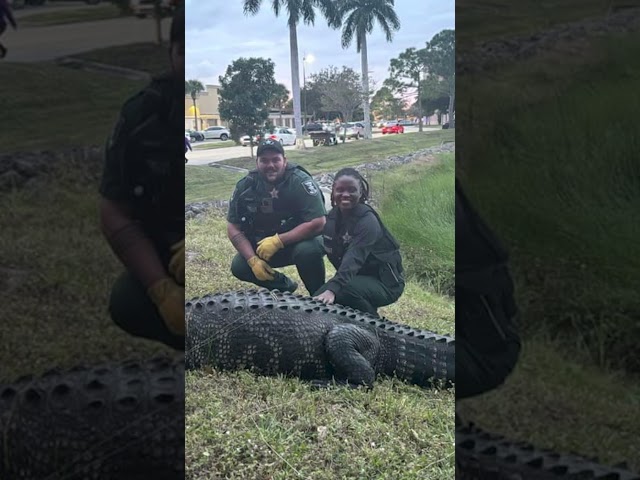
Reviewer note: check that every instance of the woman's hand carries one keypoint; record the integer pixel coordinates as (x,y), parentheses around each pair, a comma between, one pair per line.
(327,297)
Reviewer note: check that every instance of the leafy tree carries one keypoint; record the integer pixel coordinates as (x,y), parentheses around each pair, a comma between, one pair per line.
(341,90)
(359,18)
(385,104)
(194,88)
(298,10)
(405,72)
(440,59)
(435,96)
(245,92)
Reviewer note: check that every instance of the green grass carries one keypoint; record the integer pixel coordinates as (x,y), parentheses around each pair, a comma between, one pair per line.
(525,17)
(214,184)
(567,208)
(242,427)
(203,183)
(145,57)
(56,268)
(88,14)
(418,207)
(555,401)
(331,159)
(57,271)
(572,186)
(212,146)
(82,111)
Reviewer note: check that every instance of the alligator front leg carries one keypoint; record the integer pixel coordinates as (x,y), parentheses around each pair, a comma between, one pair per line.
(352,352)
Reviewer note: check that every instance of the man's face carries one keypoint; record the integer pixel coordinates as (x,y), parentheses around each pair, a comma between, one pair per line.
(177,59)
(271,165)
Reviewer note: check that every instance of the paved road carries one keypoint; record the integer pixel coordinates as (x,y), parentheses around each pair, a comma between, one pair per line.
(47,43)
(204,157)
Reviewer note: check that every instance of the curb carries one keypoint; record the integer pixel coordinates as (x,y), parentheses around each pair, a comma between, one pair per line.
(87,65)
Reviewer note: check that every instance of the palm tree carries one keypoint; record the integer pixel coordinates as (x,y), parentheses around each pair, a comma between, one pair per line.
(193,88)
(298,10)
(359,17)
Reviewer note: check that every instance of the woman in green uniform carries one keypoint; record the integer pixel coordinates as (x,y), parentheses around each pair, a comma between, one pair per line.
(367,259)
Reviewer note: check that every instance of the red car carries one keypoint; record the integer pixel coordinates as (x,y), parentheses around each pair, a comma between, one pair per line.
(392,127)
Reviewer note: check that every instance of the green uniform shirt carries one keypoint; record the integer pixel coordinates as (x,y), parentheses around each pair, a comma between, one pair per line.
(262,209)
(144,162)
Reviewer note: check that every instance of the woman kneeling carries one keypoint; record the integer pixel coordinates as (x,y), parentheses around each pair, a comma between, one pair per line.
(369,271)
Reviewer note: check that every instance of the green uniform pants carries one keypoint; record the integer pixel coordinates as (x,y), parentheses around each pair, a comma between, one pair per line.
(487,343)
(364,293)
(307,256)
(133,311)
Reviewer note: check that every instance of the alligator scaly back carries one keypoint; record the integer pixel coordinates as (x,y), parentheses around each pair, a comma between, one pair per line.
(272,332)
(481,455)
(102,422)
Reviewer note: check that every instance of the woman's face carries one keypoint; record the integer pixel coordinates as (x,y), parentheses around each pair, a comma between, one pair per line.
(346,192)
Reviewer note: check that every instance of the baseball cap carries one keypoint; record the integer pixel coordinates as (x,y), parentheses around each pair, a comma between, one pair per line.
(270,144)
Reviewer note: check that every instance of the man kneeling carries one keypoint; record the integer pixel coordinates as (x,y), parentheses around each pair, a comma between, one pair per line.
(276,215)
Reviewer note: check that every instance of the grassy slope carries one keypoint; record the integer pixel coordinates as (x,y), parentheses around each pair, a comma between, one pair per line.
(82,111)
(527,16)
(206,183)
(56,267)
(250,427)
(568,185)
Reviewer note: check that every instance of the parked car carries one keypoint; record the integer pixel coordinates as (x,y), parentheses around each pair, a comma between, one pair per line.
(244,141)
(392,127)
(142,8)
(283,135)
(312,127)
(406,123)
(216,132)
(351,130)
(194,135)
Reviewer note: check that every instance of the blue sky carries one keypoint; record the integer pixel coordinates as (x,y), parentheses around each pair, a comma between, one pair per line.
(217,33)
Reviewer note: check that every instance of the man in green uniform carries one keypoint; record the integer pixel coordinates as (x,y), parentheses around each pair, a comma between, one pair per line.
(141,209)
(276,215)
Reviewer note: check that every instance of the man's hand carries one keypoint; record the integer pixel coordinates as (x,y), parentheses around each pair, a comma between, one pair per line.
(327,297)
(261,269)
(267,247)
(168,297)
(176,264)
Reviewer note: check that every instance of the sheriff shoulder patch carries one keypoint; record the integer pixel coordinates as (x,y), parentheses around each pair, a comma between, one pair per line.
(310,187)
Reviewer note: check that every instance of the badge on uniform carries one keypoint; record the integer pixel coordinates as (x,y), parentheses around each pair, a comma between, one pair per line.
(310,187)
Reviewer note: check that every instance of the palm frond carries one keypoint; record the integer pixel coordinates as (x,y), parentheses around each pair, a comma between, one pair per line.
(251,7)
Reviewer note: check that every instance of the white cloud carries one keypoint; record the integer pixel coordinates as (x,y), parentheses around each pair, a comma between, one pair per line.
(218,32)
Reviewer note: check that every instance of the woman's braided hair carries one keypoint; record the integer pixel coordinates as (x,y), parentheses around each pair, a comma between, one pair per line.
(352,172)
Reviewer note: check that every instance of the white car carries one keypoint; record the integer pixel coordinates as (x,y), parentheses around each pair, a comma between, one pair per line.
(283,135)
(216,132)
(245,140)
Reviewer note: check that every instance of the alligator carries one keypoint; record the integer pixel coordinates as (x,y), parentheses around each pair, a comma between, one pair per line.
(107,421)
(482,455)
(279,333)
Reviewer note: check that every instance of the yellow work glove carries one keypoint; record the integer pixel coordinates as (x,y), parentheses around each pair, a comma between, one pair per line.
(267,247)
(261,269)
(176,264)
(168,297)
